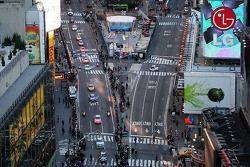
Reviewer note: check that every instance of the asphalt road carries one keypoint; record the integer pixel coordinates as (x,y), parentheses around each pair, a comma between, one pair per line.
(149,93)
(167,37)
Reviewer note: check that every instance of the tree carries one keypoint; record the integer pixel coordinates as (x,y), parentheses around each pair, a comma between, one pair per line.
(16,37)
(22,45)
(10,55)
(14,52)
(3,61)
(7,41)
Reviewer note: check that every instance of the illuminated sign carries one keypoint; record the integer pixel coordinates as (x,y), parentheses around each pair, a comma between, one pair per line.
(219,19)
(51,47)
(223,18)
(59,76)
(52,10)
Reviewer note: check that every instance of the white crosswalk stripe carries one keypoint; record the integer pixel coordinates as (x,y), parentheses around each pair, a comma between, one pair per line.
(173,16)
(147,140)
(95,72)
(154,73)
(92,58)
(77,14)
(76,22)
(94,103)
(64,21)
(158,60)
(105,137)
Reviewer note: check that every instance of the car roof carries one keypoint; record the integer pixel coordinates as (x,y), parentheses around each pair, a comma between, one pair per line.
(98,116)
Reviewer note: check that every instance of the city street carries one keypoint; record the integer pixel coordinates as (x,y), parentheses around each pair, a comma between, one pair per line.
(149,93)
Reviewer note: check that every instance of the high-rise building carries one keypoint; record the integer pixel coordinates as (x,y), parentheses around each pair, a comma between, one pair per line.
(27,136)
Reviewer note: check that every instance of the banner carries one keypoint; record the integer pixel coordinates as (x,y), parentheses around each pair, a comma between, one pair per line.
(51,47)
(33,44)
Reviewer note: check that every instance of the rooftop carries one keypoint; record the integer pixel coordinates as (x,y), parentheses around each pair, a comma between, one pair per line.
(227,128)
(5,53)
(16,90)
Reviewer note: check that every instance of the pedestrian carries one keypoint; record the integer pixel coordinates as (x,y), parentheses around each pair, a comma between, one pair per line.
(59,100)
(62,164)
(181,134)
(132,150)
(57,118)
(90,156)
(156,158)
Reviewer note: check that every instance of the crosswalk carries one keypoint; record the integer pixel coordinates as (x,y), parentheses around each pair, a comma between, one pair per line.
(147,140)
(74,14)
(97,72)
(158,60)
(131,139)
(132,162)
(154,73)
(173,16)
(92,58)
(76,22)
(94,103)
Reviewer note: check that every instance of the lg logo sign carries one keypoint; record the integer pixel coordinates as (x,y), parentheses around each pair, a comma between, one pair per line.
(223,19)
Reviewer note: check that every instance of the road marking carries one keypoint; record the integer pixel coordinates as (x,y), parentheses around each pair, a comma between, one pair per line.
(154,104)
(146,130)
(144,99)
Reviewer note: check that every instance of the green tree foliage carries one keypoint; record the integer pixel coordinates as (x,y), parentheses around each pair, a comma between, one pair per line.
(14,52)
(3,61)
(16,37)
(10,55)
(7,41)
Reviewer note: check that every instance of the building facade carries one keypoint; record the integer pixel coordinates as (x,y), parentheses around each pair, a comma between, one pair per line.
(27,136)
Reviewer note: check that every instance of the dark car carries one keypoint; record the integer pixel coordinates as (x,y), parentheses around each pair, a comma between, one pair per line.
(72,20)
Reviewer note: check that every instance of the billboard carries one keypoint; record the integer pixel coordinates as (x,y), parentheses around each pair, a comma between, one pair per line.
(208,89)
(52,10)
(51,47)
(33,43)
(219,19)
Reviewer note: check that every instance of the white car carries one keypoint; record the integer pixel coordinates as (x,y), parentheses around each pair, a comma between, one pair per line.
(99,143)
(70,12)
(103,157)
(87,67)
(78,37)
(153,68)
(74,27)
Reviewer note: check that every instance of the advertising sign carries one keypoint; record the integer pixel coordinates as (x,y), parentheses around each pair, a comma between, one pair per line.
(208,89)
(33,43)
(219,20)
(52,10)
(51,47)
